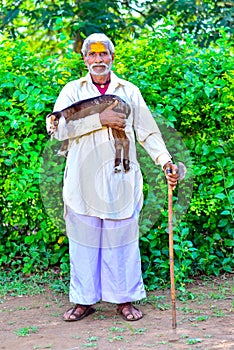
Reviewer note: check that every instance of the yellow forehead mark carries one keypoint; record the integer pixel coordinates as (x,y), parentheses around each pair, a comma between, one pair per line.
(98,47)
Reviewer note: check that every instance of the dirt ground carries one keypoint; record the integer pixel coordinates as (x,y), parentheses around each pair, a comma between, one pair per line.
(204,316)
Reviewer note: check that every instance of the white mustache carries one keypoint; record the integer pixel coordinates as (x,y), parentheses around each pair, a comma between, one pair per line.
(99,65)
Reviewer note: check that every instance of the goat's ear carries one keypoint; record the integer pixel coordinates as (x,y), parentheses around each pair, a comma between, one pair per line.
(55,114)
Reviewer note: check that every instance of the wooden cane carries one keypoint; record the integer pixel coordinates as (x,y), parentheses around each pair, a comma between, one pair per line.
(171,251)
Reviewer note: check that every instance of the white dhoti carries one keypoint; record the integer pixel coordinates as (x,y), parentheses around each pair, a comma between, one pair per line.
(104,259)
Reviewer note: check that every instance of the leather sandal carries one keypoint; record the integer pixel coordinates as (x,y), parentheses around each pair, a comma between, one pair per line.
(87,310)
(126,309)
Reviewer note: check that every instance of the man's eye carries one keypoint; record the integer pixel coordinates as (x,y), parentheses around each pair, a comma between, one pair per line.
(103,54)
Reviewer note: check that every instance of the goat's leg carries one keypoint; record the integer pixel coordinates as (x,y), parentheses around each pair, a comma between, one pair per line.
(121,142)
(118,149)
(126,161)
(63,150)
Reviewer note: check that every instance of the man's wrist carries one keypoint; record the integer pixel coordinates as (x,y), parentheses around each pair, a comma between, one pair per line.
(167,165)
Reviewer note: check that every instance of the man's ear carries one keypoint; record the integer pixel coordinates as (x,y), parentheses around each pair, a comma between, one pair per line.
(112,56)
(84,59)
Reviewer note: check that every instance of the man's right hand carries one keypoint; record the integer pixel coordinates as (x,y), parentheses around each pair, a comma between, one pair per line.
(113,119)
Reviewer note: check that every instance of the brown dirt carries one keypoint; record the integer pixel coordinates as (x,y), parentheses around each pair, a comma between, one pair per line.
(205,321)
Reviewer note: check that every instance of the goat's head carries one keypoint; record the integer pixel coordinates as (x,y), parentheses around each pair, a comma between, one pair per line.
(52,121)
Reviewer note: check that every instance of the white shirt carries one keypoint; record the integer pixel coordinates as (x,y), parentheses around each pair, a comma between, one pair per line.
(90,185)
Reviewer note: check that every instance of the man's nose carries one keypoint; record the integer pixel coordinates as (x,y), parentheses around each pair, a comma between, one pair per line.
(98,58)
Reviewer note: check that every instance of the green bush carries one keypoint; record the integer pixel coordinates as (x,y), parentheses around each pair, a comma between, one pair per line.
(189,89)
(29,85)
(192,88)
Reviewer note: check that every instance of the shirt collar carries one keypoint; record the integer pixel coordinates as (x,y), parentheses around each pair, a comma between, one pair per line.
(115,80)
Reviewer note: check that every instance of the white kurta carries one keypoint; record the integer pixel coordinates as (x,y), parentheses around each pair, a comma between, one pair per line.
(90,185)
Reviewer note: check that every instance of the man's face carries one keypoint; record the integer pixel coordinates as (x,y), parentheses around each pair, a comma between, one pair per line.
(98,59)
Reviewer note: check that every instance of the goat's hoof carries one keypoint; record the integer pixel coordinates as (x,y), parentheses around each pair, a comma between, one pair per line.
(62,154)
(126,165)
(117,169)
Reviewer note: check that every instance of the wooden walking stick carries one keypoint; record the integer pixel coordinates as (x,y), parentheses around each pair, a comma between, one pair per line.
(171,250)
(181,172)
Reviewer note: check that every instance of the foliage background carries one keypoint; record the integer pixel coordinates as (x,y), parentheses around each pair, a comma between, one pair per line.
(188,87)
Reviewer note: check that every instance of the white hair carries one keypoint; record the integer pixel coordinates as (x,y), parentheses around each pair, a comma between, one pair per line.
(94,38)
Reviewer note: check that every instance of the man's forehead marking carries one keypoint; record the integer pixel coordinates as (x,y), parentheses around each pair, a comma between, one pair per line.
(98,47)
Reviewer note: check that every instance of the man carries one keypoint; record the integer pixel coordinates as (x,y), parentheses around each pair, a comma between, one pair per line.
(101,206)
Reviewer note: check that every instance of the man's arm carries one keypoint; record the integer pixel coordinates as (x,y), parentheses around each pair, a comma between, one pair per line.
(113,119)
(149,136)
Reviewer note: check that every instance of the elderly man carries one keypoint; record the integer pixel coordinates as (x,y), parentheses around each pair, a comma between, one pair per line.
(101,206)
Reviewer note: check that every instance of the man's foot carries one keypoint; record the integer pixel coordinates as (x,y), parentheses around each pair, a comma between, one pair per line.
(77,312)
(129,312)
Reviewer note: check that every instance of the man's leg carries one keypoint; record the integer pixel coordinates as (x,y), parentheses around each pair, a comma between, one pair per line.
(85,286)
(121,276)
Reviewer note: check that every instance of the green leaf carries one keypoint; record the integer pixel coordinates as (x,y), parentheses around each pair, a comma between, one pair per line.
(229,182)
(223,223)
(219,150)
(220,196)
(217,178)
(225,212)
(229,242)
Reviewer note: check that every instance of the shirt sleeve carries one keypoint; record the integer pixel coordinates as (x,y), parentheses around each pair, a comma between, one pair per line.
(147,131)
(75,128)
(156,148)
